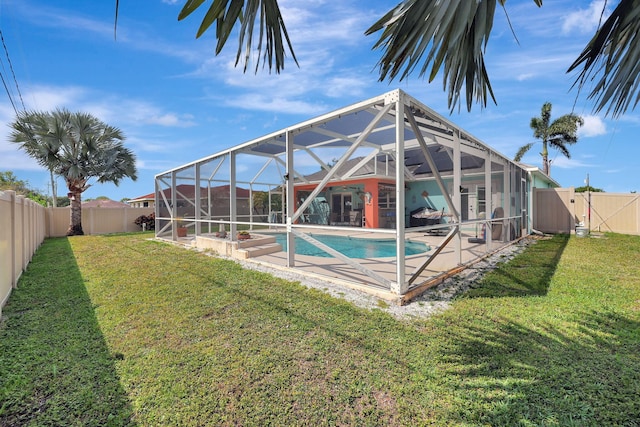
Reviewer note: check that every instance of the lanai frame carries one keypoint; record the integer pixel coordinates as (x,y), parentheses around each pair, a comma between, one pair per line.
(437,155)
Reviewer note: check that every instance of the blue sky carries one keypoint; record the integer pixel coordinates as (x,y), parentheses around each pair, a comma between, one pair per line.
(176,102)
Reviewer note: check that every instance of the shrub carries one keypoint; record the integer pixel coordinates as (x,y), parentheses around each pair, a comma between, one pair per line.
(149,221)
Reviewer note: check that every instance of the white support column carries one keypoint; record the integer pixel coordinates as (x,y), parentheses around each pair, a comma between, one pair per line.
(198,200)
(487,198)
(174,207)
(233,212)
(401,286)
(509,177)
(290,202)
(457,199)
(251,205)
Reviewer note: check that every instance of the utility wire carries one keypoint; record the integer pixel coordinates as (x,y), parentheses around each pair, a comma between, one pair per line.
(12,72)
(8,94)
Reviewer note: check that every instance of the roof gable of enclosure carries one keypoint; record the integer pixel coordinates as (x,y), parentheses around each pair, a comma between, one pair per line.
(342,127)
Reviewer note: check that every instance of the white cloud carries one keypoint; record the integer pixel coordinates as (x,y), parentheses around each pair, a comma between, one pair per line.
(524,76)
(150,143)
(320,34)
(155,165)
(11,158)
(109,109)
(48,98)
(586,20)
(593,126)
(559,161)
(131,115)
(259,102)
(171,119)
(345,85)
(132,34)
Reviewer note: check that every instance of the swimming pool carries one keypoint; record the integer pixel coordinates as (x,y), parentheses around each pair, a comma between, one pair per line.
(353,247)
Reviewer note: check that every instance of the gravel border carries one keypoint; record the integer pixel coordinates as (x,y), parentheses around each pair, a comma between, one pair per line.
(433,300)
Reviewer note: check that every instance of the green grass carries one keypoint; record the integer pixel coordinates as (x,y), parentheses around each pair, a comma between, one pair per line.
(123,330)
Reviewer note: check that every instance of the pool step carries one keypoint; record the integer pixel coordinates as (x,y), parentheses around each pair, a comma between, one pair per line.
(257,245)
(256,240)
(259,250)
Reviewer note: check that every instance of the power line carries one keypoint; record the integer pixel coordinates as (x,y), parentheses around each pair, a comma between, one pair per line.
(12,72)
(8,94)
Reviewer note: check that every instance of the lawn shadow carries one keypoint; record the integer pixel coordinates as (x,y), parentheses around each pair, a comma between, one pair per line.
(55,365)
(502,372)
(528,274)
(587,373)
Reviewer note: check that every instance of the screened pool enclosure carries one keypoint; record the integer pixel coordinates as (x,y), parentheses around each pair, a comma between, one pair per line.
(388,169)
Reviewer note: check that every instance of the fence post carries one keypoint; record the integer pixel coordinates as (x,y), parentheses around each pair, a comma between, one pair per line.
(12,196)
(638,216)
(20,200)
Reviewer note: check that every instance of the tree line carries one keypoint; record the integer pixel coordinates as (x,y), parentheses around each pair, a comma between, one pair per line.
(10,182)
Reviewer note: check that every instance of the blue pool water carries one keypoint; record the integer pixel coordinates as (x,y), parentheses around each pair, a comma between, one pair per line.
(352,247)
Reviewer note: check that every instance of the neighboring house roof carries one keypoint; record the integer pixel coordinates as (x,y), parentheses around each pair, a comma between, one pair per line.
(187,191)
(147,197)
(104,203)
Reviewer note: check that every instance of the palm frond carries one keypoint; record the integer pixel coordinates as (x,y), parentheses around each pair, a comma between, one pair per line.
(560,144)
(564,130)
(448,35)
(115,22)
(273,39)
(611,59)
(522,151)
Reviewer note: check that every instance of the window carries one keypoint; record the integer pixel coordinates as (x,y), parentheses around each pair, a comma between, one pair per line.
(386,196)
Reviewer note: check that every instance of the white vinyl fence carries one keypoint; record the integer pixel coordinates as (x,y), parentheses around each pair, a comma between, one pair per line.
(22,230)
(559,210)
(24,224)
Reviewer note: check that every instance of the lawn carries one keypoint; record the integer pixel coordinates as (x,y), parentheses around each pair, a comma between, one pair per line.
(123,330)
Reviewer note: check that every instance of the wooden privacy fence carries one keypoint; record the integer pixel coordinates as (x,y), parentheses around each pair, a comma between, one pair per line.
(559,210)
(24,225)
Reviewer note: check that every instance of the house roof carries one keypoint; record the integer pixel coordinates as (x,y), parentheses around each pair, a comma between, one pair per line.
(187,191)
(368,125)
(536,171)
(368,169)
(365,135)
(104,203)
(414,161)
(146,197)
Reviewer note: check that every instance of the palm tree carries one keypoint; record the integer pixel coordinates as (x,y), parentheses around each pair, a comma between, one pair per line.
(77,147)
(451,34)
(558,134)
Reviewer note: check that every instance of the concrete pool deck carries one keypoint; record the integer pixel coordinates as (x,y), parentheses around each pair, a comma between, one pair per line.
(337,272)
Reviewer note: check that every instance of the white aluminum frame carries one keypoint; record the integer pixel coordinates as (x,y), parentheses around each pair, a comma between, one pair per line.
(387,126)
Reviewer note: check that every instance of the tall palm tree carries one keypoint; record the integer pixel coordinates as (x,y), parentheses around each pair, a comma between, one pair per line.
(558,134)
(449,34)
(78,147)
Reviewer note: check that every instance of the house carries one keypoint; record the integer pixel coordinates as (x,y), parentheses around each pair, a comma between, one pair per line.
(388,165)
(103,203)
(146,201)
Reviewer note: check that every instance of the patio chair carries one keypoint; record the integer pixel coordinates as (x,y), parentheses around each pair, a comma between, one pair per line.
(496,227)
(355,219)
